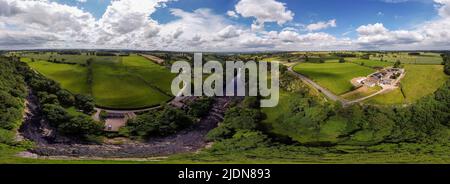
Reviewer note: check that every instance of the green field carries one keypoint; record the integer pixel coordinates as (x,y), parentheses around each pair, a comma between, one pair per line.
(117,87)
(424,58)
(118,82)
(52,55)
(71,77)
(335,77)
(361,92)
(419,81)
(369,63)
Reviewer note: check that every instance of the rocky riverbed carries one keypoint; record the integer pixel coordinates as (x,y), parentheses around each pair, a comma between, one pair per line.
(50,143)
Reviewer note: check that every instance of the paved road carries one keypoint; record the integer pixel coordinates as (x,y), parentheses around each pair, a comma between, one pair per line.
(324,91)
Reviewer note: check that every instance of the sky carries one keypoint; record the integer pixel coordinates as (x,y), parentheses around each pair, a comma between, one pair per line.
(226,25)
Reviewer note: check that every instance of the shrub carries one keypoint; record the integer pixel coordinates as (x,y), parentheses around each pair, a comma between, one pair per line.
(81,125)
(200,107)
(84,103)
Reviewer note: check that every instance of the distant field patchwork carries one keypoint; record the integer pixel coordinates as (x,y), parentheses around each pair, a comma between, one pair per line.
(423,58)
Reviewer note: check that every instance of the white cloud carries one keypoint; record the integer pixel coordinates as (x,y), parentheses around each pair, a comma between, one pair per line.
(444,9)
(429,35)
(128,24)
(321,25)
(376,35)
(264,11)
(232,14)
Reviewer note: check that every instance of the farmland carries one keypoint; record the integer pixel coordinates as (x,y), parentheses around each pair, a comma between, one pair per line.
(117,82)
(419,81)
(403,57)
(335,77)
(370,63)
(71,77)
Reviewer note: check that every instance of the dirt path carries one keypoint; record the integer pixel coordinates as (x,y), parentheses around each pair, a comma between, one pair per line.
(49,143)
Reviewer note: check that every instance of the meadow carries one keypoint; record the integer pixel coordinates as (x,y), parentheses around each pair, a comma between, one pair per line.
(370,63)
(424,58)
(128,82)
(334,76)
(81,59)
(71,77)
(419,81)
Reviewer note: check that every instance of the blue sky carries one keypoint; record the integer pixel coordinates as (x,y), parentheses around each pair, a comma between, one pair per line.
(349,14)
(255,25)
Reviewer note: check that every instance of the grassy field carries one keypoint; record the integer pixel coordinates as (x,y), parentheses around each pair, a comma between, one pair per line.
(71,77)
(155,75)
(335,77)
(419,81)
(81,59)
(424,58)
(118,82)
(369,63)
(361,92)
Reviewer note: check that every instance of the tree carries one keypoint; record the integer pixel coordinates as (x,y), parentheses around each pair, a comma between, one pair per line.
(397,64)
(341,60)
(46,98)
(65,98)
(220,133)
(81,125)
(103,115)
(242,118)
(84,103)
(241,141)
(158,122)
(55,114)
(200,107)
(321,60)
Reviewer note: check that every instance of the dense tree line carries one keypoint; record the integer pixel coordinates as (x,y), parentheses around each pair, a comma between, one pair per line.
(342,55)
(167,120)
(446,63)
(158,122)
(244,117)
(12,93)
(69,52)
(105,54)
(53,101)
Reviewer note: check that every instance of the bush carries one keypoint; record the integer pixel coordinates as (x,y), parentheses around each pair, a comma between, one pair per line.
(158,122)
(84,103)
(242,118)
(200,107)
(81,125)
(6,137)
(241,141)
(220,133)
(55,114)
(103,115)
(65,98)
